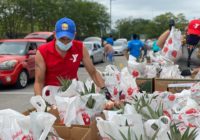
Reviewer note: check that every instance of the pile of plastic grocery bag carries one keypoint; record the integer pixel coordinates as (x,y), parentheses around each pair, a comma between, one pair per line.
(160,115)
(36,126)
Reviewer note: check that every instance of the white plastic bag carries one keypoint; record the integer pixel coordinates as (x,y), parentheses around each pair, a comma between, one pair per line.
(14,126)
(135,68)
(71,91)
(195,92)
(112,79)
(111,76)
(67,109)
(121,123)
(41,123)
(73,110)
(128,84)
(172,47)
(171,72)
(48,94)
(38,103)
(161,125)
(150,71)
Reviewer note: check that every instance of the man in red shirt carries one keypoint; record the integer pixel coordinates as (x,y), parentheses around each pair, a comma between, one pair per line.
(61,58)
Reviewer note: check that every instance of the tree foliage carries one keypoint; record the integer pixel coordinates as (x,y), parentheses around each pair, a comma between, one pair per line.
(150,28)
(24,16)
(19,17)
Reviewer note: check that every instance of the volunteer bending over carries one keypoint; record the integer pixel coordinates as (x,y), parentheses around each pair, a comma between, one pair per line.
(61,58)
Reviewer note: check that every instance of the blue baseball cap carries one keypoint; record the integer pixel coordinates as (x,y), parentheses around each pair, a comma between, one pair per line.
(65,27)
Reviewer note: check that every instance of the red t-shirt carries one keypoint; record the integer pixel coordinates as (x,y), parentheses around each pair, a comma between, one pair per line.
(57,66)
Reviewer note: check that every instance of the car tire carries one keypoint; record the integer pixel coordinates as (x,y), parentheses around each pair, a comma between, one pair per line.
(22,79)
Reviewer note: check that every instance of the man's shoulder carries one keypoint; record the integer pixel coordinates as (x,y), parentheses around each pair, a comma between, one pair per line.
(77,42)
(47,46)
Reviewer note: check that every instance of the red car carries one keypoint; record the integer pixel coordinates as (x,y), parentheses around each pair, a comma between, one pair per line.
(17,61)
(41,35)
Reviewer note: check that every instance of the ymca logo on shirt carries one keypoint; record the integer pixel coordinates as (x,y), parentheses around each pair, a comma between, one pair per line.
(74,57)
(196,25)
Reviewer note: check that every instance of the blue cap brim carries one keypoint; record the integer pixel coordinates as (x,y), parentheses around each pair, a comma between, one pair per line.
(64,34)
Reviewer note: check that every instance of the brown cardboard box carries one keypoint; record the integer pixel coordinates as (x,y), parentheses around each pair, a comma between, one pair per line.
(94,135)
(162,84)
(93,126)
(145,84)
(28,111)
(51,111)
(177,88)
(74,133)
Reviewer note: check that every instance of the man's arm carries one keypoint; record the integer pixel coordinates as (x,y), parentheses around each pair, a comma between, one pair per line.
(162,39)
(40,69)
(94,74)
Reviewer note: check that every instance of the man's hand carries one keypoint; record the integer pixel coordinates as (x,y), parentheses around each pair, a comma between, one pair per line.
(171,23)
(106,92)
(186,72)
(195,70)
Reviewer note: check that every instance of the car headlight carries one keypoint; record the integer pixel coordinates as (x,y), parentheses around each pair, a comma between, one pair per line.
(8,65)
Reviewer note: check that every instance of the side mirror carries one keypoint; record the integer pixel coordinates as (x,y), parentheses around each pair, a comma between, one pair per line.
(32,52)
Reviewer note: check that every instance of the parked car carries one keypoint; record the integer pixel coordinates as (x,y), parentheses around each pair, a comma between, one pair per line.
(119,47)
(17,61)
(123,40)
(96,52)
(94,39)
(41,35)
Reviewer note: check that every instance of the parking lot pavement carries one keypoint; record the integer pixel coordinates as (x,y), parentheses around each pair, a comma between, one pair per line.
(18,102)
(18,99)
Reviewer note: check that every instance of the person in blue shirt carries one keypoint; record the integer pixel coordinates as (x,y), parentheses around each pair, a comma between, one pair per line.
(134,47)
(109,40)
(155,47)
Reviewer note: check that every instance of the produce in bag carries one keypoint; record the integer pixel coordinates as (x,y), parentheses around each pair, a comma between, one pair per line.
(41,123)
(172,48)
(157,126)
(135,68)
(171,72)
(128,85)
(68,87)
(48,94)
(195,92)
(121,127)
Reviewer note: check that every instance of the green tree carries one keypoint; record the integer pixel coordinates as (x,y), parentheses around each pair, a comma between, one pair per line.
(12,18)
(150,28)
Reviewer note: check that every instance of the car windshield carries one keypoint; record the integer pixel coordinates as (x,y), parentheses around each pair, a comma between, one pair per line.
(118,43)
(13,48)
(88,46)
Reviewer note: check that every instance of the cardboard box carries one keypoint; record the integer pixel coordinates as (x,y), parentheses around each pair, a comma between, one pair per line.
(51,111)
(92,135)
(74,133)
(145,84)
(177,88)
(162,84)
(28,111)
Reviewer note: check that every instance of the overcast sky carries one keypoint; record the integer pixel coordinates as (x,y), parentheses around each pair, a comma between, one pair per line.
(150,8)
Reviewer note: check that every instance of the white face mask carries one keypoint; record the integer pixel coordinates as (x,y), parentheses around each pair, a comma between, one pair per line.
(62,46)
